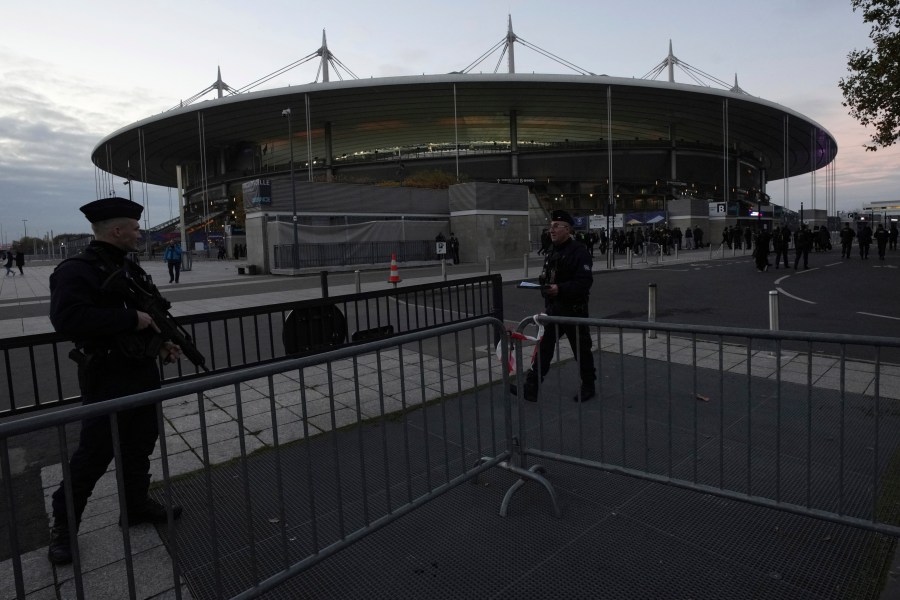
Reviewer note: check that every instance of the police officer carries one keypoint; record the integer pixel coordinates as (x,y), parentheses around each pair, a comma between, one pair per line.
(802,244)
(117,350)
(453,247)
(781,242)
(566,279)
(847,236)
(761,250)
(881,239)
(864,240)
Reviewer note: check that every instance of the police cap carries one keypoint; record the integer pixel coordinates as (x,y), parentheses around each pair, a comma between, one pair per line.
(561,215)
(111,208)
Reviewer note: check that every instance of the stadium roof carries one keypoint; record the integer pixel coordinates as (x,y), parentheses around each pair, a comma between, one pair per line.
(383,113)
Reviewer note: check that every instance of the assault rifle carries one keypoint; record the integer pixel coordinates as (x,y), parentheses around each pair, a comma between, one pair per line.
(145,296)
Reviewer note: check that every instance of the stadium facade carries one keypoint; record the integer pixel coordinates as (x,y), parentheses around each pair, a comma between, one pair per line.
(347,157)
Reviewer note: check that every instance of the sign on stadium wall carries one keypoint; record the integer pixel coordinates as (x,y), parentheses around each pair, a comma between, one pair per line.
(258,191)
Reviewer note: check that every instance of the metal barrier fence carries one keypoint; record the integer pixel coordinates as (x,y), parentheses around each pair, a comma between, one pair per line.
(39,373)
(341,254)
(302,458)
(779,419)
(322,451)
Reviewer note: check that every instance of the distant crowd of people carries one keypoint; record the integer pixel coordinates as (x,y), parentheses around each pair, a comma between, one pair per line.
(761,242)
(804,241)
(635,239)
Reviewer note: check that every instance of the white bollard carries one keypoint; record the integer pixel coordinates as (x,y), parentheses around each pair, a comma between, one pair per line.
(358,282)
(773,310)
(444,270)
(651,309)
(487,265)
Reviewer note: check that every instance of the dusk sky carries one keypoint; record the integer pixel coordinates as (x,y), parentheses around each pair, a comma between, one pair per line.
(72,73)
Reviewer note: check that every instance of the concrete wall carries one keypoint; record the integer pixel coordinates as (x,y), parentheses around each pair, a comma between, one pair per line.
(691,212)
(490,220)
(258,251)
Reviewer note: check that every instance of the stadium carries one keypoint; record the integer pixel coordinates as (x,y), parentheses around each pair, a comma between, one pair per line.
(346,172)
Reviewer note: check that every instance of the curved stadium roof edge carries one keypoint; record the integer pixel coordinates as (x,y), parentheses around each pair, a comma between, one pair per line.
(403,110)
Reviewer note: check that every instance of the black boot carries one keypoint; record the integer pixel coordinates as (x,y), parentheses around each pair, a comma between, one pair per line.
(530,393)
(586,392)
(60,550)
(151,511)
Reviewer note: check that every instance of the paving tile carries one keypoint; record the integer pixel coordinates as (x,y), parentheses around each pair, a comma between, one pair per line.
(191,422)
(261,421)
(37,576)
(288,432)
(342,417)
(152,576)
(214,434)
(229,449)
(179,464)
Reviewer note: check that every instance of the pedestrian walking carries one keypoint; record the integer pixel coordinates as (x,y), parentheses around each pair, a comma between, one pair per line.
(9,263)
(802,246)
(698,237)
(761,250)
(881,240)
(453,246)
(20,261)
(172,257)
(864,241)
(781,241)
(847,236)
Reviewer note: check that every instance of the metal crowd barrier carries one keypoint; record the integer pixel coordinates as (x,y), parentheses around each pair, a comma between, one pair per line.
(39,373)
(803,422)
(352,440)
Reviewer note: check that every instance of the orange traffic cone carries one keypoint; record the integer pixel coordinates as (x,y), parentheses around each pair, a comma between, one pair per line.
(395,274)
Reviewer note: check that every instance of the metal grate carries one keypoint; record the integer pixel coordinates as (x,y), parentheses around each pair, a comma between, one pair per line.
(620,537)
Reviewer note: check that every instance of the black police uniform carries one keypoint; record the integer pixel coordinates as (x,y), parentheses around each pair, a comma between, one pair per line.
(761,251)
(847,236)
(802,245)
(569,267)
(115,360)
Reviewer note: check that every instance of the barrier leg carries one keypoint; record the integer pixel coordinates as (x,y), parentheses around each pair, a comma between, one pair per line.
(533,473)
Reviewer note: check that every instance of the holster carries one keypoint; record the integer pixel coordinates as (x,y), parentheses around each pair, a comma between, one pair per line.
(84,362)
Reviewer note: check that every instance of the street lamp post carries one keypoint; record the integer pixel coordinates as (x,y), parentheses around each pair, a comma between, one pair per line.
(25,228)
(295,248)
